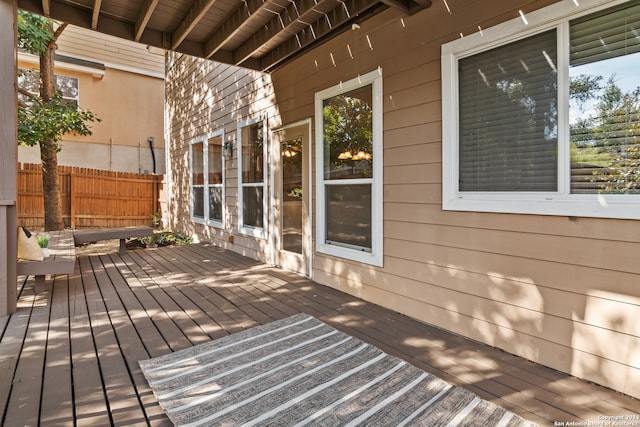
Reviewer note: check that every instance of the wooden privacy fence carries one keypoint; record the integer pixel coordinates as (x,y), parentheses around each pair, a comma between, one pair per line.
(89,197)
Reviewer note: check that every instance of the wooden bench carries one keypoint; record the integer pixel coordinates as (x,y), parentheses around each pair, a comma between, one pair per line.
(61,259)
(122,233)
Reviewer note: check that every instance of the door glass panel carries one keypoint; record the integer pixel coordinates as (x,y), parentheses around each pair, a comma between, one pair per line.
(292,195)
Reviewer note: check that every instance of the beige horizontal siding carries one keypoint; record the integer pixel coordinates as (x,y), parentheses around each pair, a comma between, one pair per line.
(113,51)
(560,291)
(210,97)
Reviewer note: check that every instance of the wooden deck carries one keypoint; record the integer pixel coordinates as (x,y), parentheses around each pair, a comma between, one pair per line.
(69,355)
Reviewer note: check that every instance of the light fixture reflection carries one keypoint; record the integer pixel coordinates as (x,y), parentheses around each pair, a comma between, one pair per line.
(360,155)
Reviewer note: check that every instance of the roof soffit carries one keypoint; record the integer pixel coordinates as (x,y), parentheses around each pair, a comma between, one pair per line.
(256,34)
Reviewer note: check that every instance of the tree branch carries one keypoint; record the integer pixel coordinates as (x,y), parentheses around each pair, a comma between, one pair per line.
(29,95)
(59,31)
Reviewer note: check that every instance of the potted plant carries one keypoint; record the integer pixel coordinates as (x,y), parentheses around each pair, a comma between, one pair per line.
(43,242)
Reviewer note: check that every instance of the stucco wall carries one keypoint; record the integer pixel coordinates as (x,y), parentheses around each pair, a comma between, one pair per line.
(127,96)
(561,291)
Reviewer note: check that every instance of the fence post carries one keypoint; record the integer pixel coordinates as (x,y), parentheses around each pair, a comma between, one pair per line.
(72,200)
(156,196)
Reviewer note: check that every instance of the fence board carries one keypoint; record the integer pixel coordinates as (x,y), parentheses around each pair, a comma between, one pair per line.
(89,197)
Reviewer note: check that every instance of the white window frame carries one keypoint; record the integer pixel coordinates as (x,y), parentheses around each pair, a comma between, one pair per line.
(560,202)
(206,220)
(194,218)
(76,99)
(215,222)
(249,230)
(375,257)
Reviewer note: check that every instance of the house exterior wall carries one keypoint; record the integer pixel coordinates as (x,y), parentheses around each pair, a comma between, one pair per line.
(210,97)
(127,95)
(561,291)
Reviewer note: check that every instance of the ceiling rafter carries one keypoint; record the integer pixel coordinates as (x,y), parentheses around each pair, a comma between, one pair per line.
(97,4)
(297,11)
(232,25)
(191,19)
(320,28)
(257,34)
(143,18)
(408,6)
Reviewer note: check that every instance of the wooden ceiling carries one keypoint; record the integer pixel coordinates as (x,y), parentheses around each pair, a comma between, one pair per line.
(257,34)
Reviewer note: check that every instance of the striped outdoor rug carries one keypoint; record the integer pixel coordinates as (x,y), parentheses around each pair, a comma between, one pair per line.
(299,371)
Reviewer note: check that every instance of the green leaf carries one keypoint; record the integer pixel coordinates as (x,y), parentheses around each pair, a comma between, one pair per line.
(35,32)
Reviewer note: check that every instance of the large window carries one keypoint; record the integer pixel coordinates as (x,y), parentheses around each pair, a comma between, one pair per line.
(30,80)
(207,189)
(546,120)
(349,169)
(252,167)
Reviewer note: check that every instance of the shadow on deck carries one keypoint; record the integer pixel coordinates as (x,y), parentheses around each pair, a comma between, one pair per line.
(69,355)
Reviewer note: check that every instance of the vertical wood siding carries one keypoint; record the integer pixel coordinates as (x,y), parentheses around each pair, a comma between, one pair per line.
(560,291)
(89,197)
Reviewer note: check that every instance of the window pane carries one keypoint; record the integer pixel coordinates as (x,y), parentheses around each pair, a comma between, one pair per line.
(197,179)
(348,132)
(252,153)
(30,81)
(68,86)
(252,206)
(215,203)
(605,102)
(197,195)
(197,163)
(348,213)
(292,195)
(508,117)
(215,160)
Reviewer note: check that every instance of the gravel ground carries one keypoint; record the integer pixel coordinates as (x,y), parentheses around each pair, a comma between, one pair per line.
(99,248)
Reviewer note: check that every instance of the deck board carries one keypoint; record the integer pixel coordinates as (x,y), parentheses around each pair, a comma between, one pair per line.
(10,350)
(108,319)
(23,409)
(57,394)
(90,405)
(69,355)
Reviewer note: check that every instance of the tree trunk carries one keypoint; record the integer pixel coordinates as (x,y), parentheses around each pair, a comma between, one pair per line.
(48,149)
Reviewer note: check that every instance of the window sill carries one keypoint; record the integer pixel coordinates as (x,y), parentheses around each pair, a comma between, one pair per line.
(594,206)
(350,254)
(259,233)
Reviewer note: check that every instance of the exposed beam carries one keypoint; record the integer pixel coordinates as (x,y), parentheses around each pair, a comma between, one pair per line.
(33,6)
(96,14)
(338,17)
(297,11)
(195,14)
(232,25)
(46,8)
(143,18)
(403,5)
(409,7)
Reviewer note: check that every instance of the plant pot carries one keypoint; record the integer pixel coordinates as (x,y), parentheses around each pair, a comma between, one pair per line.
(45,252)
